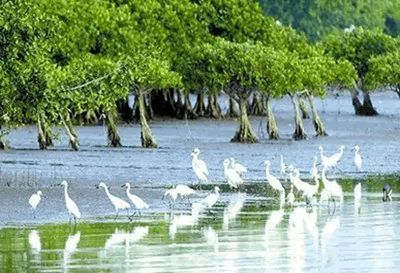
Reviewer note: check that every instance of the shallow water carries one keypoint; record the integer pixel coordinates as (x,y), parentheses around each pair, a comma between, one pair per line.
(242,233)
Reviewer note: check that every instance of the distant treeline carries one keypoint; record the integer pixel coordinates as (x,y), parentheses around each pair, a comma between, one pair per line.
(65,62)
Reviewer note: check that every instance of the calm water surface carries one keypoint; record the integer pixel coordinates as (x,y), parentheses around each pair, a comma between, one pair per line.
(242,233)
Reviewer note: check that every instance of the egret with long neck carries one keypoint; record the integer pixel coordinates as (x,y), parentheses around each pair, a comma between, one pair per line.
(117,202)
(72,208)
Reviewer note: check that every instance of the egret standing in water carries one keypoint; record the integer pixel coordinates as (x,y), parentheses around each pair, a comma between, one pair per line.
(199,166)
(212,198)
(272,180)
(237,167)
(332,189)
(387,193)
(117,202)
(357,158)
(72,208)
(136,200)
(333,160)
(184,191)
(34,201)
(233,178)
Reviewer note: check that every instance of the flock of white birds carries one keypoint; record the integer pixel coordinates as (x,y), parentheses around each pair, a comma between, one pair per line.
(233,173)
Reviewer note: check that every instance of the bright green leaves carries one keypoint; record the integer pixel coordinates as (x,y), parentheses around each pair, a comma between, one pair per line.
(384,72)
(358,47)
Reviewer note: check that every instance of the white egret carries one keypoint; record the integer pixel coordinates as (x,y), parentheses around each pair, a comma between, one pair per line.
(199,166)
(387,193)
(333,160)
(117,202)
(233,178)
(72,208)
(34,201)
(212,198)
(272,180)
(307,190)
(357,158)
(333,189)
(314,169)
(173,193)
(290,196)
(237,167)
(350,29)
(184,191)
(136,200)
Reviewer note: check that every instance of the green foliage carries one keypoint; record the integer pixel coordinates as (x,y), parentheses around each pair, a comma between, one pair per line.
(317,18)
(358,47)
(384,72)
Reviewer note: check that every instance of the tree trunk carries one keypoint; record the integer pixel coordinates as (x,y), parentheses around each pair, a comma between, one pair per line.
(368,108)
(91,117)
(71,133)
(272,128)
(257,107)
(213,110)
(3,143)
(232,110)
(303,108)
(245,133)
(149,107)
(135,109)
(299,132)
(179,106)
(146,136)
(199,108)
(113,137)
(318,125)
(44,138)
(187,106)
(356,102)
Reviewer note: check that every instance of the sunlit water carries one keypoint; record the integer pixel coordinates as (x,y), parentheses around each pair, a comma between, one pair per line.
(242,233)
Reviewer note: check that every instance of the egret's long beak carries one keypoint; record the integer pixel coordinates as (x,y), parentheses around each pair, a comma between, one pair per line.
(123,186)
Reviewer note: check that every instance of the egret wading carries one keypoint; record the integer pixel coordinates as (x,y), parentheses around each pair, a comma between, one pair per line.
(284,169)
(272,180)
(357,158)
(332,189)
(184,191)
(136,200)
(72,208)
(237,167)
(333,160)
(387,193)
(117,202)
(212,198)
(307,189)
(34,201)
(199,166)
(233,178)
